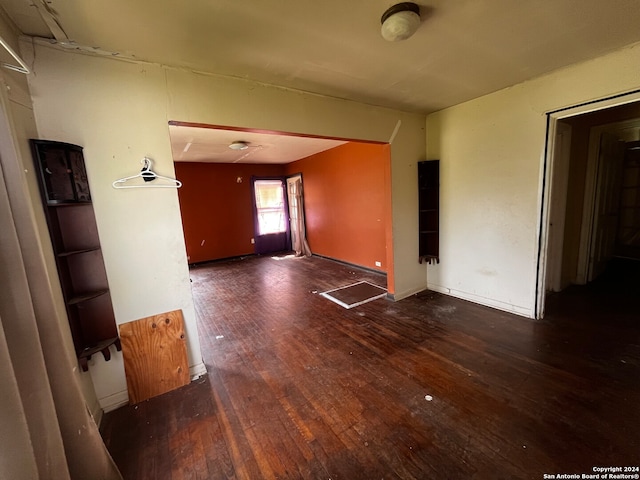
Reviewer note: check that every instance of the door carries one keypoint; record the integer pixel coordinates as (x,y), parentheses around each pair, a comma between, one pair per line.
(558,206)
(607,205)
(628,241)
(271,216)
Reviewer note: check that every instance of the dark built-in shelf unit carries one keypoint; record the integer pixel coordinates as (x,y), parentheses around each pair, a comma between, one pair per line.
(66,198)
(429,211)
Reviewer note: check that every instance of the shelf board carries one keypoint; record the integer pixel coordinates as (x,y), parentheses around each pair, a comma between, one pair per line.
(103,347)
(86,296)
(90,350)
(428,210)
(67,204)
(77,252)
(429,259)
(429,231)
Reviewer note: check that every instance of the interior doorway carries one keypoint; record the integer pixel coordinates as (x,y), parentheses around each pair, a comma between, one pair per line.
(591,190)
(601,209)
(347,193)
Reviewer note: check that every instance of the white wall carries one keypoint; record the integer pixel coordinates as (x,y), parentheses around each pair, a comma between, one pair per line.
(118,111)
(492,151)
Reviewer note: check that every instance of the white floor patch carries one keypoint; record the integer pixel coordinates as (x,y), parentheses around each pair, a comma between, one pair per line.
(355,294)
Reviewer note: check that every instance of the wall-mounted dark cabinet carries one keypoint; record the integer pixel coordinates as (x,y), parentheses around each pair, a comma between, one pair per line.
(429,211)
(72,226)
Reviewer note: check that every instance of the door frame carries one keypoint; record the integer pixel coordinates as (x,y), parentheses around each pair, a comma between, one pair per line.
(558,204)
(287,226)
(546,179)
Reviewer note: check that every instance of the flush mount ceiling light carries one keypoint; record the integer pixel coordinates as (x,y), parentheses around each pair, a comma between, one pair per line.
(400,21)
(239,145)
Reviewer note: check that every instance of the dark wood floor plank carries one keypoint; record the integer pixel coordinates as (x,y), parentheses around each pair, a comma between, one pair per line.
(428,387)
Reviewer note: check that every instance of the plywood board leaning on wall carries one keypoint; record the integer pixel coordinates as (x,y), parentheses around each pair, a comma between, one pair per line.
(155,355)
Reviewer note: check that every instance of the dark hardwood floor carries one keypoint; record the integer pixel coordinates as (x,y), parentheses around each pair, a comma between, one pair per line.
(429,387)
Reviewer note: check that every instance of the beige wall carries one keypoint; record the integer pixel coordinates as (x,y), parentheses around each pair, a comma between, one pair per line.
(118,111)
(492,152)
(20,115)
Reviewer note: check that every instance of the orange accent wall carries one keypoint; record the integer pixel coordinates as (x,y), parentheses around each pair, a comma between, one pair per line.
(348,204)
(216,209)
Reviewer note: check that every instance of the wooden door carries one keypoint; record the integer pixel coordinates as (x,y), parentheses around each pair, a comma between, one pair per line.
(628,241)
(607,204)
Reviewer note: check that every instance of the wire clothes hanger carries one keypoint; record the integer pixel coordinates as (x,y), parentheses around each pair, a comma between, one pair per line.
(147,176)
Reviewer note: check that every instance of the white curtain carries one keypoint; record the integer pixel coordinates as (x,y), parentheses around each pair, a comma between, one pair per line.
(46,431)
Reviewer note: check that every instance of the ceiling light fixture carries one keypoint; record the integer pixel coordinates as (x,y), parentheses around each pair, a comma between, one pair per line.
(400,21)
(239,145)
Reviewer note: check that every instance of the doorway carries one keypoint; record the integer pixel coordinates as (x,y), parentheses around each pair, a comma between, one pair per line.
(602,205)
(583,180)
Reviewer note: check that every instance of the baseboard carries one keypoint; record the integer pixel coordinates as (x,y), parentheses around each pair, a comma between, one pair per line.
(112,402)
(196,371)
(96,413)
(487,302)
(407,293)
(349,264)
(221,260)
(120,399)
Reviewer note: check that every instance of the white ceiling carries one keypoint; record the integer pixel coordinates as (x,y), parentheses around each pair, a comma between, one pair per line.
(211,145)
(463,49)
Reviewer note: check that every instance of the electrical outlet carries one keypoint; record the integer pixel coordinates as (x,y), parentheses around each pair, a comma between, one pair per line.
(253,241)
(378,264)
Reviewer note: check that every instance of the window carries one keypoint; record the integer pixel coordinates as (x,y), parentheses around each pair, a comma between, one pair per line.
(270,206)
